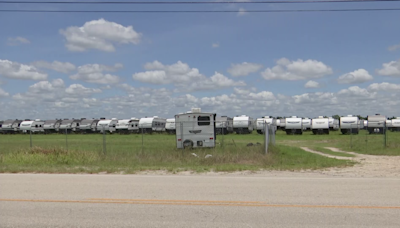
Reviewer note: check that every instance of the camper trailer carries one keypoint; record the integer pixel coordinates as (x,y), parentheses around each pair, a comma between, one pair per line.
(224,125)
(376,124)
(152,124)
(293,126)
(243,124)
(278,124)
(306,124)
(333,124)
(25,126)
(396,124)
(10,126)
(365,125)
(350,124)
(282,124)
(195,129)
(265,120)
(320,126)
(388,124)
(69,126)
(170,127)
(104,126)
(88,126)
(51,126)
(127,126)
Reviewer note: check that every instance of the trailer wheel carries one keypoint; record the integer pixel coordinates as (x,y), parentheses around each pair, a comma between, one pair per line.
(188,144)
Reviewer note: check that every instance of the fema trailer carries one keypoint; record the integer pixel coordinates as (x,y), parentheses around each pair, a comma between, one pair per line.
(333,124)
(69,126)
(25,126)
(260,125)
(320,125)
(306,124)
(88,125)
(152,124)
(127,126)
(293,126)
(51,126)
(107,125)
(389,125)
(365,124)
(170,126)
(265,120)
(243,124)
(278,124)
(396,124)
(350,124)
(195,129)
(376,124)
(10,126)
(37,126)
(224,125)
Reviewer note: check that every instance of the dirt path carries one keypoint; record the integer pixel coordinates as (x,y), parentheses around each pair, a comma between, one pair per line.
(368,165)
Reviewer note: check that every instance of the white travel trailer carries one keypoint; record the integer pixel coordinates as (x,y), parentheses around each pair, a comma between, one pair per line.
(128,126)
(243,124)
(69,125)
(320,125)
(170,127)
(365,124)
(281,124)
(388,125)
(107,125)
(224,125)
(333,124)
(376,124)
(26,126)
(396,124)
(265,120)
(350,124)
(10,126)
(195,129)
(152,124)
(306,124)
(51,126)
(88,125)
(294,125)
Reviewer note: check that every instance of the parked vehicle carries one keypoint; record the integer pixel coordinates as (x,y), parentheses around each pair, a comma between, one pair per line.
(306,124)
(351,124)
(243,124)
(107,125)
(320,125)
(196,129)
(88,126)
(334,124)
(376,124)
(396,124)
(152,124)
(51,126)
(224,125)
(10,126)
(294,126)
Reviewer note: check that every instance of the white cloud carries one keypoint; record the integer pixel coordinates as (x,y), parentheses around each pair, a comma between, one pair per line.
(355,91)
(99,34)
(384,86)
(3,93)
(215,45)
(93,73)
(390,69)
(79,90)
(297,70)
(244,69)
(183,76)
(65,67)
(357,76)
(14,41)
(242,12)
(394,47)
(312,84)
(16,70)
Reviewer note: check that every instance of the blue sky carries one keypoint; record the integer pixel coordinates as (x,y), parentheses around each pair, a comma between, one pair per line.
(318,47)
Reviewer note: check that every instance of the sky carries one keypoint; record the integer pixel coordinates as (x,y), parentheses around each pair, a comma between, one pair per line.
(123,65)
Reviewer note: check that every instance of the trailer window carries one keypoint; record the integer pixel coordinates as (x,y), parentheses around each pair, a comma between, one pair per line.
(203,120)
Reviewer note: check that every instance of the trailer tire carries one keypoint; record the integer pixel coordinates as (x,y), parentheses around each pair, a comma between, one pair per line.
(187,144)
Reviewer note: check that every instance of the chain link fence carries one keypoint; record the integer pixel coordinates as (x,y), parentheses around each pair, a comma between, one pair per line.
(189,135)
(370,140)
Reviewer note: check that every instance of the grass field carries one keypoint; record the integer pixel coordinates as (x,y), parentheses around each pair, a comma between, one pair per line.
(125,153)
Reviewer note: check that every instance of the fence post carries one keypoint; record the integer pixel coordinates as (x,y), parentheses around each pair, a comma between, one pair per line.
(266,137)
(104,141)
(142,140)
(384,134)
(30,138)
(222,134)
(181,127)
(66,139)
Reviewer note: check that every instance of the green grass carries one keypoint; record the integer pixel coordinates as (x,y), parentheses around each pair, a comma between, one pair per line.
(330,152)
(125,154)
(363,143)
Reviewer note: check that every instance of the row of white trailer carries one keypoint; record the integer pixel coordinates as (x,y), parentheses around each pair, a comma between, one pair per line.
(223,125)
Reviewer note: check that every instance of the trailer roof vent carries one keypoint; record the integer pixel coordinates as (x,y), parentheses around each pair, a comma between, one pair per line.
(102,118)
(196,110)
(155,116)
(320,117)
(349,115)
(114,119)
(266,117)
(37,120)
(294,116)
(398,118)
(243,115)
